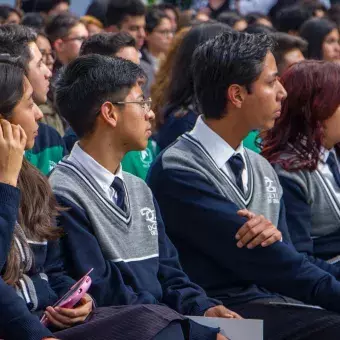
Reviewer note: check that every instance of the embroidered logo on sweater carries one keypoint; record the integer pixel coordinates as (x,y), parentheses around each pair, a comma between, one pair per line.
(272,195)
(150,217)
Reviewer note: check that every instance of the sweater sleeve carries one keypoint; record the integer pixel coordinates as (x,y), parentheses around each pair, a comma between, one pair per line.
(179,292)
(9,207)
(82,252)
(16,321)
(206,220)
(54,269)
(297,218)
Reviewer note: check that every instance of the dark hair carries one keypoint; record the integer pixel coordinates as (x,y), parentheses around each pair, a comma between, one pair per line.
(14,40)
(229,18)
(154,18)
(180,90)
(334,13)
(98,10)
(166,6)
(299,132)
(38,206)
(41,5)
(259,28)
(230,58)
(252,18)
(34,20)
(291,18)
(107,43)
(285,43)
(60,25)
(118,10)
(314,31)
(6,10)
(87,82)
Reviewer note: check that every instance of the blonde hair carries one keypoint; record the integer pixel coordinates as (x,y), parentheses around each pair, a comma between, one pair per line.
(89,19)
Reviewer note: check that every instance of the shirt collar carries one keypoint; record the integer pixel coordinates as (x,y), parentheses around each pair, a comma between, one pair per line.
(100,174)
(217,147)
(324,153)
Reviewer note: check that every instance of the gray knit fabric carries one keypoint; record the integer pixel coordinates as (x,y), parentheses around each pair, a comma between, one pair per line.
(264,189)
(325,207)
(134,231)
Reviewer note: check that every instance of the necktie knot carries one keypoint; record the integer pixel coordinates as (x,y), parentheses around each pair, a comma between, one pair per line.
(118,186)
(237,165)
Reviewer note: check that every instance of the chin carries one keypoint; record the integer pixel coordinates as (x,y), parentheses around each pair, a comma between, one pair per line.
(29,145)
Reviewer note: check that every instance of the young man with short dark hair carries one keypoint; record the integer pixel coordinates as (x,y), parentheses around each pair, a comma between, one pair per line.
(207,176)
(112,222)
(20,41)
(289,50)
(66,33)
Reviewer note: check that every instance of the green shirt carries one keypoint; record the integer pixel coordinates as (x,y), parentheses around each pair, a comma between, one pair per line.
(138,162)
(250,141)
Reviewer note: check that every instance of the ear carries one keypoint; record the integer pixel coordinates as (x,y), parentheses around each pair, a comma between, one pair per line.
(236,95)
(109,114)
(58,45)
(112,28)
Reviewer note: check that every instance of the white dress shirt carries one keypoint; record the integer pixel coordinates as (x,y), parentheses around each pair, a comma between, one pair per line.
(103,177)
(219,150)
(326,172)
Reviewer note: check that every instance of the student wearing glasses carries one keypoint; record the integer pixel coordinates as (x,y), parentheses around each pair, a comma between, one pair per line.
(121,45)
(66,33)
(112,222)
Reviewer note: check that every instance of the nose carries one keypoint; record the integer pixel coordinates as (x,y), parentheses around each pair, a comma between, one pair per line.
(282,94)
(37,113)
(47,72)
(141,32)
(151,115)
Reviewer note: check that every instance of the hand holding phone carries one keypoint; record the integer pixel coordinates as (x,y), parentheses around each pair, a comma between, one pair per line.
(61,314)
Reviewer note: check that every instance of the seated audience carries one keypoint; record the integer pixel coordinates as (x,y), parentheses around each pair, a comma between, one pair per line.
(322,36)
(120,45)
(303,146)
(288,50)
(112,222)
(32,276)
(207,176)
(9,15)
(20,42)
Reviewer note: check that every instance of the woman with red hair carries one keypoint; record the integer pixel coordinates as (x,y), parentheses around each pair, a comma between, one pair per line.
(303,147)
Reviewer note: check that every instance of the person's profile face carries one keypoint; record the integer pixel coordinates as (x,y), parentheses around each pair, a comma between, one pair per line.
(262,106)
(160,38)
(331,46)
(135,26)
(135,119)
(13,18)
(26,114)
(129,53)
(38,74)
(290,58)
(46,51)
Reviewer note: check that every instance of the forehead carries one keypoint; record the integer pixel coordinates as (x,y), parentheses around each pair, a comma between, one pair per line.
(165,22)
(138,20)
(269,67)
(34,50)
(135,92)
(43,42)
(79,29)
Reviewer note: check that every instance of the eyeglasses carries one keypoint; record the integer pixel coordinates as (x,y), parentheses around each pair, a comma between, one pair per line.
(165,33)
(145,104)
(81,39)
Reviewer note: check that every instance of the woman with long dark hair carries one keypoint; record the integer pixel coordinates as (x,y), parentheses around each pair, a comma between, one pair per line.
(32,276)
(304,148)
(178,114)
(322,36)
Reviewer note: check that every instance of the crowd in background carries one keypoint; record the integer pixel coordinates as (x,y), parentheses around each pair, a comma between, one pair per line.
(188,151)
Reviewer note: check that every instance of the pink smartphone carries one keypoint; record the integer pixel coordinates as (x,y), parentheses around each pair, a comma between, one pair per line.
(73,296)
